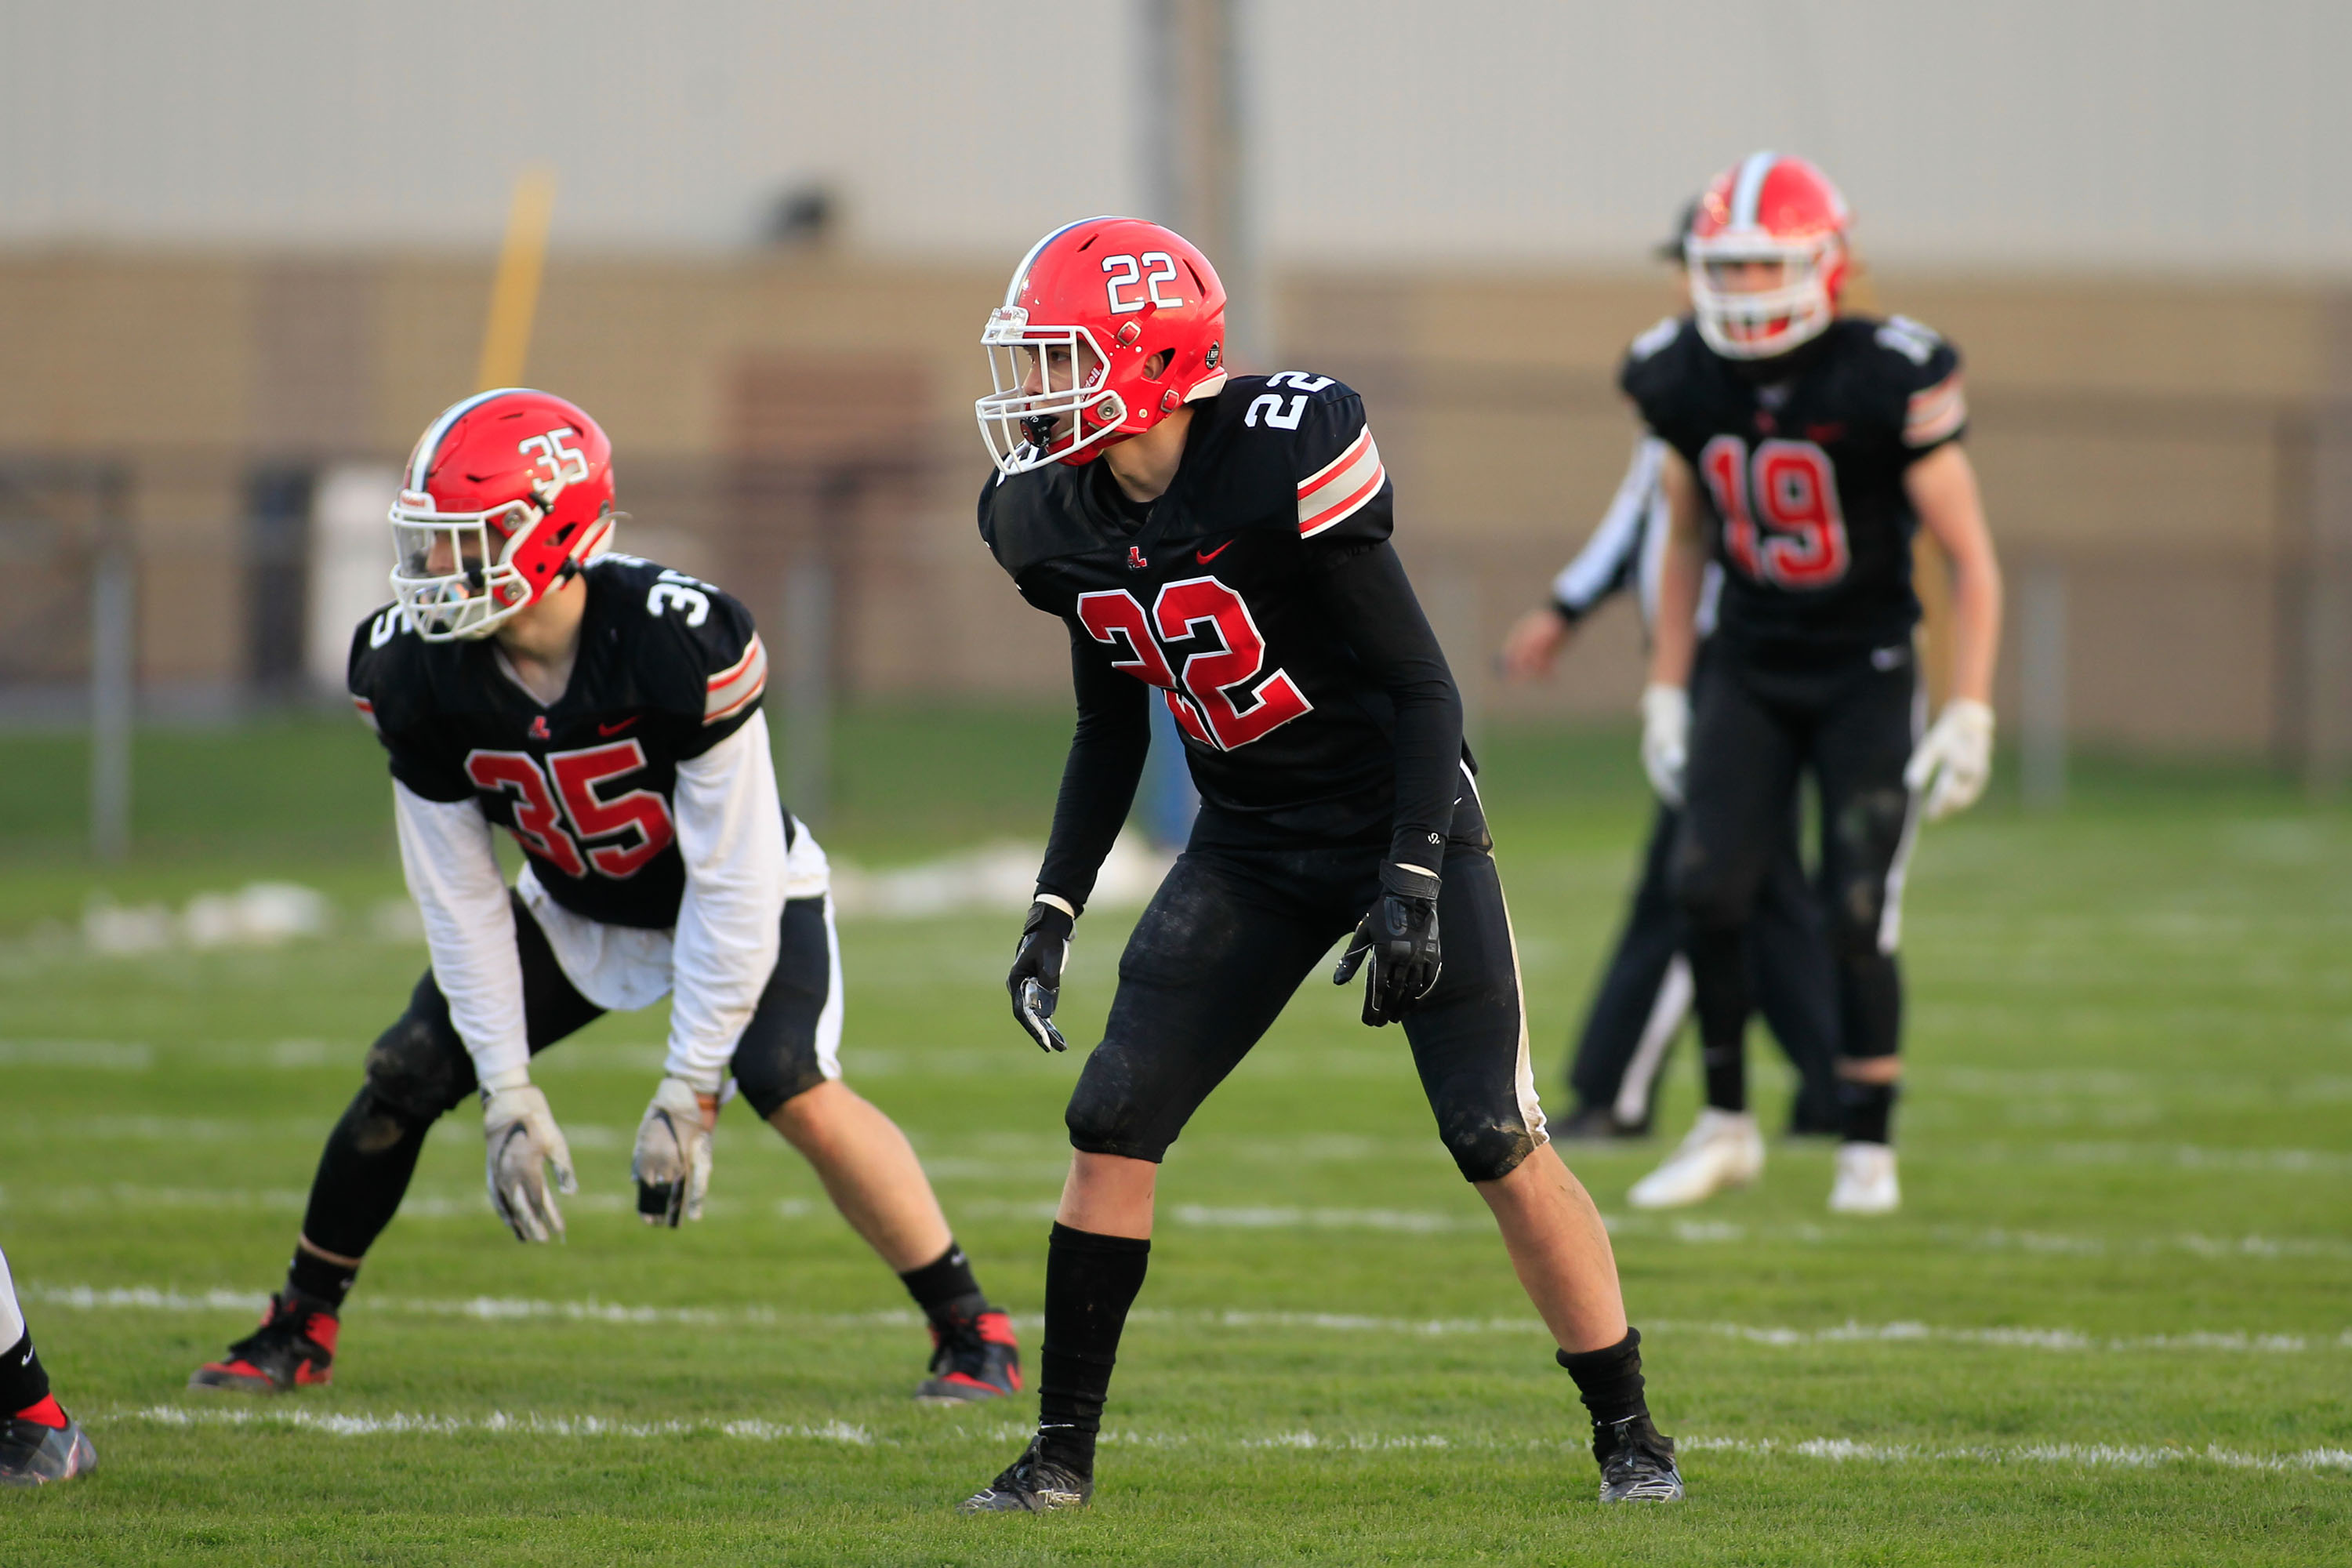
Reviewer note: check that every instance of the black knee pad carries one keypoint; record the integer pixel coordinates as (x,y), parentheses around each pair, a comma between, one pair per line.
(1702,888)
(1107,1115)
(1869,834)
(419,1068)
(1488,1139)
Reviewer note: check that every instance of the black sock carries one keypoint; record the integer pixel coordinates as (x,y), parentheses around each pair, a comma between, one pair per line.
(1608,1380)
(1865,1111)
(363,1173)
(1727,1078)
(1721,998)
(314,1276)
(945,1289)
(23,1381)
(1090,1282)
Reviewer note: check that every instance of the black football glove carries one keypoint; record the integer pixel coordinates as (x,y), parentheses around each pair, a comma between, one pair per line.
(1035,983)
(1398,941)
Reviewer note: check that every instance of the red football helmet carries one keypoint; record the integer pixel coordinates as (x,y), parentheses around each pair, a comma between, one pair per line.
(1109,326)
(1766,257)
(507,494)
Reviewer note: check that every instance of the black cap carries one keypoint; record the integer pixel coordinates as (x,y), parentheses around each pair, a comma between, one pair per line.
(1672,249)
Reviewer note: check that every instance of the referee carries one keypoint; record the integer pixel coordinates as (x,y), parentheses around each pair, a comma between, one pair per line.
(1645,993)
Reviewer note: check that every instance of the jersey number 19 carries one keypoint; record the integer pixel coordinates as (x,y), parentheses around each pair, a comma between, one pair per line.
(1790,489)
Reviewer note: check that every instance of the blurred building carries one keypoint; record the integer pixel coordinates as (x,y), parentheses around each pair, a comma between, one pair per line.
(245,253)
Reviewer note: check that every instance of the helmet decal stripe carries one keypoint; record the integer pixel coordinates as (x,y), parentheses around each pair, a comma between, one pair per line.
(1021,273)
(1748,191)
(420,464)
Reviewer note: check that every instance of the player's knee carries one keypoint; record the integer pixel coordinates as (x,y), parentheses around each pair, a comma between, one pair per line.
(1870,833)
(1106,1117)
(771,1081)
(1488,1139)
(1708,897)
(418,1068)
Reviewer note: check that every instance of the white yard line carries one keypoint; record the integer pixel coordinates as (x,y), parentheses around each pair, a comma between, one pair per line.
(508,1309)
(1839,1450)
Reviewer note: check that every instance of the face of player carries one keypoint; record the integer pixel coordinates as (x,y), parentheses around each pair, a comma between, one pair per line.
(1752,276)
(1057,368)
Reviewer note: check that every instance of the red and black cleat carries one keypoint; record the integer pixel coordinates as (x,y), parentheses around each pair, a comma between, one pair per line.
(974,1359)
(294,1348)
(42,1445)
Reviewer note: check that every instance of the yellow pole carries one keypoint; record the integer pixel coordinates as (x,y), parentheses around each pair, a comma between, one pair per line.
(514,293)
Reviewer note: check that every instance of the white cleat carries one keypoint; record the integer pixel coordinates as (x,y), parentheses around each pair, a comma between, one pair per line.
(1723,1150)
(1866,1180)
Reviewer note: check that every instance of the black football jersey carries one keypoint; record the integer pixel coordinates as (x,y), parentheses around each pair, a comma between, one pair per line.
(669,666)
(1803,477)
(1202,597)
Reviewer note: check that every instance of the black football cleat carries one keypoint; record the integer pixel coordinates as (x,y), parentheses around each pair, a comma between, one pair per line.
(1031,1484)
(976,1359)
(1637,1463)
(294,1348)
(43,1445)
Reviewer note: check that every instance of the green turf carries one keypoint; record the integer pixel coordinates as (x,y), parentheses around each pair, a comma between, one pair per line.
(2130,1126)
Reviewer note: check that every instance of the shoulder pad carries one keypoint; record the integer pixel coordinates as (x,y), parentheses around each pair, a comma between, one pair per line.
(1656,363)
(1654,338)
(382,672)
(1328,456)
(1033,517)
(712,667)
(1921,376)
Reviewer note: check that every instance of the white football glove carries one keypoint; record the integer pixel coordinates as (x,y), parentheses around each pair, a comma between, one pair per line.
(1954,759)
(524,1143)
(672,1164)
(1665,740)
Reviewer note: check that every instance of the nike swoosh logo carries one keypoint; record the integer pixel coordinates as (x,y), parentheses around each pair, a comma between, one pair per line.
(1205,556)
(616,729)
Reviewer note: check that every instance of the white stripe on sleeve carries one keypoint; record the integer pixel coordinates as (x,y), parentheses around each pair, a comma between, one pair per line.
(453,873)
(1605,564)
(731,831)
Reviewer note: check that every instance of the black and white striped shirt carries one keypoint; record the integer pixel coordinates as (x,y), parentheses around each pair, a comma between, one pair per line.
(1628,549)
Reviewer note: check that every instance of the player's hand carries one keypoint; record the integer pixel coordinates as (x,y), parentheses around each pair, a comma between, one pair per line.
(1397,941)
(1665,740)
(1534,642)
(1035,983)
(672,1162)
(524,1146)
(1954,760)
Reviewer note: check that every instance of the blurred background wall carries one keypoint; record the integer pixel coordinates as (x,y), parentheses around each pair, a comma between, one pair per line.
(246,251)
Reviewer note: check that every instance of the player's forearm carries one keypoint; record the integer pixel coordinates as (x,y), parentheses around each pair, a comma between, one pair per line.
(1107,750)
(453,873)
(1674,640)
(1976,625)
(1371,606)
(730,834)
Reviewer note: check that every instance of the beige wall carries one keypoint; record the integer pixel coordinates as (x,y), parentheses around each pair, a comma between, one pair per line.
(2153,442)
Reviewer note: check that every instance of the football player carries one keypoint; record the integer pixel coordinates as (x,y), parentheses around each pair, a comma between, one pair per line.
(1646,990)
(1806,448)
(605,712)
(1228,555)
(39,1443)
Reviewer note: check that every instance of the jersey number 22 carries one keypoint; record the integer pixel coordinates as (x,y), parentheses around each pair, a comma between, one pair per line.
(1207,699)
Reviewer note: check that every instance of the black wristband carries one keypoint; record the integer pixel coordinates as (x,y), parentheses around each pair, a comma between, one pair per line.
(1051,919)
(1408,882)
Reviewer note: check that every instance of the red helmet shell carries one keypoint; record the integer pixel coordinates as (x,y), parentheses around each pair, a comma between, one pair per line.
(1775,209)
(516,485)
(1118,293)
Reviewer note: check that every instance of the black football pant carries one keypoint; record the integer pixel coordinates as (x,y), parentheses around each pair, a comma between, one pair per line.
(1852,725)
(1227,940)
(1642,996)
(418,1070)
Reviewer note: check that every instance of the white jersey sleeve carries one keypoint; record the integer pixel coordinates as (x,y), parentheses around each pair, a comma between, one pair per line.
(730,830)
(453,873)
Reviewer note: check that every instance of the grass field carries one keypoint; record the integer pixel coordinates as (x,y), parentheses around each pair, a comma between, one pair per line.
(2112,1324)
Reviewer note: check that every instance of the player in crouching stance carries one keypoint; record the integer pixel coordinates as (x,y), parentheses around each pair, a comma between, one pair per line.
(39,1443)
(606,712)
(1231,550)
(1807,447)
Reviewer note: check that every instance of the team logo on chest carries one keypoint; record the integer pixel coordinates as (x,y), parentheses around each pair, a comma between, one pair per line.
(1221,696)
(539,730)
(1135,560)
